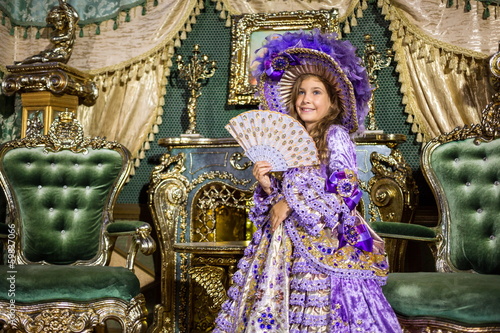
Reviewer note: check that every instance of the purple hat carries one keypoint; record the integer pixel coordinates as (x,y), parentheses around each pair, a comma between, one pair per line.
(292,54)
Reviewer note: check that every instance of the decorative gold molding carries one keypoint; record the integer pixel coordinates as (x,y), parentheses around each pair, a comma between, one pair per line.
(431,325)
(75,317)
(241,89)
(55,77)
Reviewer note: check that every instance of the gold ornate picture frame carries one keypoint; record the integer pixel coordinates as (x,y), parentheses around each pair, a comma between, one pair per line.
(248,33)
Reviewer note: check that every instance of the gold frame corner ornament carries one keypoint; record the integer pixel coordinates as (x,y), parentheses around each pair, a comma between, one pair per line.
(241,91)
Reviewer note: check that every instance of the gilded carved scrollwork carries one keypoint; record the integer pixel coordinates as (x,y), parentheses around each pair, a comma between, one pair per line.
(393,197)
(237,157)
(67,317)
(167,199)
(207,284)
(392,189)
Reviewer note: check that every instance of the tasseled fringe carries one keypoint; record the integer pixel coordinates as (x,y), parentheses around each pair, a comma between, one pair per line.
(435,54)
(354,21)
(359,12)
(453,62)
(347,28)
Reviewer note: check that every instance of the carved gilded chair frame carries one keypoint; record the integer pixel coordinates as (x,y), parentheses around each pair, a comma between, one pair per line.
(248,29)
(66,133)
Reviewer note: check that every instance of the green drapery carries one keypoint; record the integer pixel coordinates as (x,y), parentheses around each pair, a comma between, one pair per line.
(33,12)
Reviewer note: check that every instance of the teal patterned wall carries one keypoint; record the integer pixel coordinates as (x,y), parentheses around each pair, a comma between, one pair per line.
(215,41)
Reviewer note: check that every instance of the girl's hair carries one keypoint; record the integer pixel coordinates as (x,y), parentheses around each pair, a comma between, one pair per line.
(319,132)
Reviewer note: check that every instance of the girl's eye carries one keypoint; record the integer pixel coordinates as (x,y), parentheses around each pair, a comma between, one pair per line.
(316,92)
(301,92)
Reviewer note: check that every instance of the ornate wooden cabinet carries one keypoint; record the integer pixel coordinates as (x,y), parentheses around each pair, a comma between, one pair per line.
(200,194)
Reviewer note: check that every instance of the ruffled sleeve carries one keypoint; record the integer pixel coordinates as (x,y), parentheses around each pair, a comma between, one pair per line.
(263,202)
(304,188)
(342,150)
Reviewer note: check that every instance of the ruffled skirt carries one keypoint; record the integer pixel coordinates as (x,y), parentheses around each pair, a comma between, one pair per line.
(276,289)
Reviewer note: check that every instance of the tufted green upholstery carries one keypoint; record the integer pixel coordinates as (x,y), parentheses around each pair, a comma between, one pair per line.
(469,176)
(61,194)
(81,283)
(465,178)
(61,189)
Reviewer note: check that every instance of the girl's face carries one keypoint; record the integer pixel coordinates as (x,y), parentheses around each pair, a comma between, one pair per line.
(313,102)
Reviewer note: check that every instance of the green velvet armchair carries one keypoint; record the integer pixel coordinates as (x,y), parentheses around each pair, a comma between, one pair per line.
(463,170)
(60,191)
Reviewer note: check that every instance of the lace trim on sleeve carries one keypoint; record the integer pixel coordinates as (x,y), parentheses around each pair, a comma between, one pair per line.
(304,192)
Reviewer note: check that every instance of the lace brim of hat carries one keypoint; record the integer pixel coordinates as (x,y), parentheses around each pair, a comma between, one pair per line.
(276,84)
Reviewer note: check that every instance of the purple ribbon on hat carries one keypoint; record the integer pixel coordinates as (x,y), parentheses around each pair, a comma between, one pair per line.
(357,236)
(345,183)
(276,66)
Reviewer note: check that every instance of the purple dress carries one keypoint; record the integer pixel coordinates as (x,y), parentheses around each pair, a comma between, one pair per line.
(321,270)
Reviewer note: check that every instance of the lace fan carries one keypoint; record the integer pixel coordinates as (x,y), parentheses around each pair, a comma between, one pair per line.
(273,137)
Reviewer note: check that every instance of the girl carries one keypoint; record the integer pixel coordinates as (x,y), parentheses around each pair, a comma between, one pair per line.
(313,264)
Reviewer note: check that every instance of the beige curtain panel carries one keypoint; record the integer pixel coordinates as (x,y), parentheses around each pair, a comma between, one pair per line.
(441,55)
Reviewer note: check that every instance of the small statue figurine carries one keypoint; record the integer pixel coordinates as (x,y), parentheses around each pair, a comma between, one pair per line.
(64,19)
(34,125)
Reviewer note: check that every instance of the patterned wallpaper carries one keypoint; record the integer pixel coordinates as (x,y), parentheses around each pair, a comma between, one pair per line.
(214,39)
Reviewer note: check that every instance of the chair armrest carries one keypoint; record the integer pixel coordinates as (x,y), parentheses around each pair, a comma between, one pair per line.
(141,237)
(406,231)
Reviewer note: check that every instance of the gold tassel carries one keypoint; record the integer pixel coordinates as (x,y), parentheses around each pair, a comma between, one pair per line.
(155,129)
(347,28)
(188,27)
(222,14)
(201,4)
(147,146)
(177,42)
(414,128)
(193,19)
(462,66)
(183,35)
(141,71)
(403,89)
(405,101)
(453,63)
(380,3)
(419,137)
(197,11)
(385,9)
(409,119)
(124,77)
(137,162)
(401,32)
(413,47)
(151,137)
(435,54)
(422,52)
(407,39)
(228,21)
(218,6)
(364,5)
(392,16)
(159,120)
(354,21)
(359,12)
